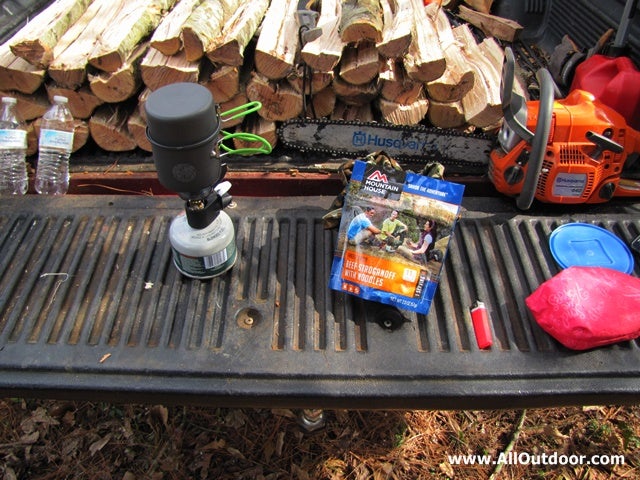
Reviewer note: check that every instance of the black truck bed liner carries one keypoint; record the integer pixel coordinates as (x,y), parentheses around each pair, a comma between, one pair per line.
(91,307)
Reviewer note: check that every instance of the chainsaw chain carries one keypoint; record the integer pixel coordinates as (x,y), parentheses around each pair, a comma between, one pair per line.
(405,128)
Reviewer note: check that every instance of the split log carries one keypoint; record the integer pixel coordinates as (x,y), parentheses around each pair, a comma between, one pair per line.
(35,41)
(29,107)
(17,74)
(424,60)
(135,21)
(229,49)
(82,101)
(396,86)
(324,102)
(123,83)
(204,26)
(324,53)
(458,77)
(167,37)
(349,113)
(403,114)
(319,81)
(491,25)
(277,45)
(80,133)
(137,127)
(483,6)
(158,70)
(361,20)
(257,125)
(396,36)
(108,128)
(356,94)
(482,105)
(223,83)
(279,99)
(71,54)
(360,63)
(446,115)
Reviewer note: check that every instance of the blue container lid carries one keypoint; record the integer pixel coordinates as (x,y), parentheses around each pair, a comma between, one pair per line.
(586,245)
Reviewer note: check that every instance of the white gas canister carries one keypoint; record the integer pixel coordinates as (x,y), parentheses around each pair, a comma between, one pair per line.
(203,253)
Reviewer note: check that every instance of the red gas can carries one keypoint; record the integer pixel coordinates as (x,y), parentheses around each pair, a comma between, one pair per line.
(615,81)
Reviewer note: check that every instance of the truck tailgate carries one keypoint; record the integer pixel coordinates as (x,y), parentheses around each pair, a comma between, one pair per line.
(91,307)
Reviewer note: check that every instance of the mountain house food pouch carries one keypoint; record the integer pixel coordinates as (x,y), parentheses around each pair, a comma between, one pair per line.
(394,234)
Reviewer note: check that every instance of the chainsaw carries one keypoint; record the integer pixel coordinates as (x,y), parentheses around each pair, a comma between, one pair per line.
(459,152)
(573,150)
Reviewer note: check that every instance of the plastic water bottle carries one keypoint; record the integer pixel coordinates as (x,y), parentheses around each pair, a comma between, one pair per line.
(13,147)
(56,142)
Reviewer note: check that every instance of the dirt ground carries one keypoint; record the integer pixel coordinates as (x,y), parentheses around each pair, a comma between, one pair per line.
(99,441)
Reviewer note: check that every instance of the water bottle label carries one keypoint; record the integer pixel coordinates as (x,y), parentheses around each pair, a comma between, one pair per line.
(56,139)
(10,139)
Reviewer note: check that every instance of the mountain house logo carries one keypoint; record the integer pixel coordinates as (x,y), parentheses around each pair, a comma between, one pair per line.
(378,176)
(383,184)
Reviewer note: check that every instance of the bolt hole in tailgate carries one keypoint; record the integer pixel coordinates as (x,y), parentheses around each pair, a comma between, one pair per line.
(92,307)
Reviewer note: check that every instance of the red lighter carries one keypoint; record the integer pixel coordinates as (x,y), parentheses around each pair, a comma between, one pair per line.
(481,327)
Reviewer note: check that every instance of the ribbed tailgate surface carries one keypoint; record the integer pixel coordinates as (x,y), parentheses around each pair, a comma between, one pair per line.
(92,306)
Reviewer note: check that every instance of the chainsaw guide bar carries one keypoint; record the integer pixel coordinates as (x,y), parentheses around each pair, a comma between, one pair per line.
(466,153)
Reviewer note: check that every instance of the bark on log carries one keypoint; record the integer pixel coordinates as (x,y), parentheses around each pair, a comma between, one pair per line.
(396,36)
(346,112)
(446,115)
(458,76)
(108,128)
(122,84)
(279,99)
(29,107)
(35,41)
(159,70)
(71,54)
(482,105)
(82,101)
(356,94)
(167,37)
(223,83)
(17,74)
(424,60)
(237,33)
(278,43)
(360,63)
(361,20)
(136,20)
(324,53)
(204,26)
(403,114)
(137,127)
(491,25)
(323,103)
(396,86)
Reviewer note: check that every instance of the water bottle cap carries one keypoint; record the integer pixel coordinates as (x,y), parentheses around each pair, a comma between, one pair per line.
(9,100)
(60,99)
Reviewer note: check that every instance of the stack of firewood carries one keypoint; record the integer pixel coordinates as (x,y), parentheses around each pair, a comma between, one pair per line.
(392,60)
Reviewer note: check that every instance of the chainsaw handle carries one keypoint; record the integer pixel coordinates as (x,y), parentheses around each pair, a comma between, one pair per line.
(539,140)
(514,106)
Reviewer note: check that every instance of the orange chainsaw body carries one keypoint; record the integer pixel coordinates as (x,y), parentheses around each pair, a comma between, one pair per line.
(574,169)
